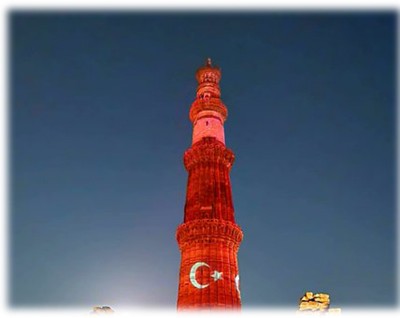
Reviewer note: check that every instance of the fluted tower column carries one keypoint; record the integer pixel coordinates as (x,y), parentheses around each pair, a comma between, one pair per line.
(208,238)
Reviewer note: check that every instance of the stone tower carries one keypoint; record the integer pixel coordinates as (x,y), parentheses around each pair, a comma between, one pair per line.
(208,238)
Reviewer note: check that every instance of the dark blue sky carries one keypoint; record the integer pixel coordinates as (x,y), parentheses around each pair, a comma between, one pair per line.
(99,123)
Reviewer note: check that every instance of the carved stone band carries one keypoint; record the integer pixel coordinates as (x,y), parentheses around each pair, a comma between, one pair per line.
(209,231)
(208,150)
(214,104)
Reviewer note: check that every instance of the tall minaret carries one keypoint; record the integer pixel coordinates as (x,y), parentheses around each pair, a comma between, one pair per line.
(208,238)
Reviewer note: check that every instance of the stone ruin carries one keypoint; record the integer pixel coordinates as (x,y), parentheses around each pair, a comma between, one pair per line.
(316,303)
(102,310)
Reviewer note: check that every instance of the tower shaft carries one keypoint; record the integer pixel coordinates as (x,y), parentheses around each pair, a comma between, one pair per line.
(208,238)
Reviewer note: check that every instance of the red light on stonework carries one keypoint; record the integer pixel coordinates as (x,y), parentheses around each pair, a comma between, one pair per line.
(208,238)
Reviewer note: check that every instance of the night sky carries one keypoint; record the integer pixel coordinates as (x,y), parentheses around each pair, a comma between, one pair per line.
(99,106)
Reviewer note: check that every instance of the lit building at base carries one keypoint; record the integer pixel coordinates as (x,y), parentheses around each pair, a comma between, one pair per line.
(316,303)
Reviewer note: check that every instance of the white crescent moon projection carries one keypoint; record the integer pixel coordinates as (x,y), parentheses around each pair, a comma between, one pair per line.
(192,275)
(237,283)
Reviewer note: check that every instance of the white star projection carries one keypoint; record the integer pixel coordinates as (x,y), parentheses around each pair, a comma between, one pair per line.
(216,275)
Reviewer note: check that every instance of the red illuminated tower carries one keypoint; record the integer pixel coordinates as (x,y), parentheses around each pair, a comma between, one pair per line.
(208,238)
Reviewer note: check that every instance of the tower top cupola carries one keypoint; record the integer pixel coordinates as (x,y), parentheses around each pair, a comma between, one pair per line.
(208,94)
(208,73)
(208,77)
